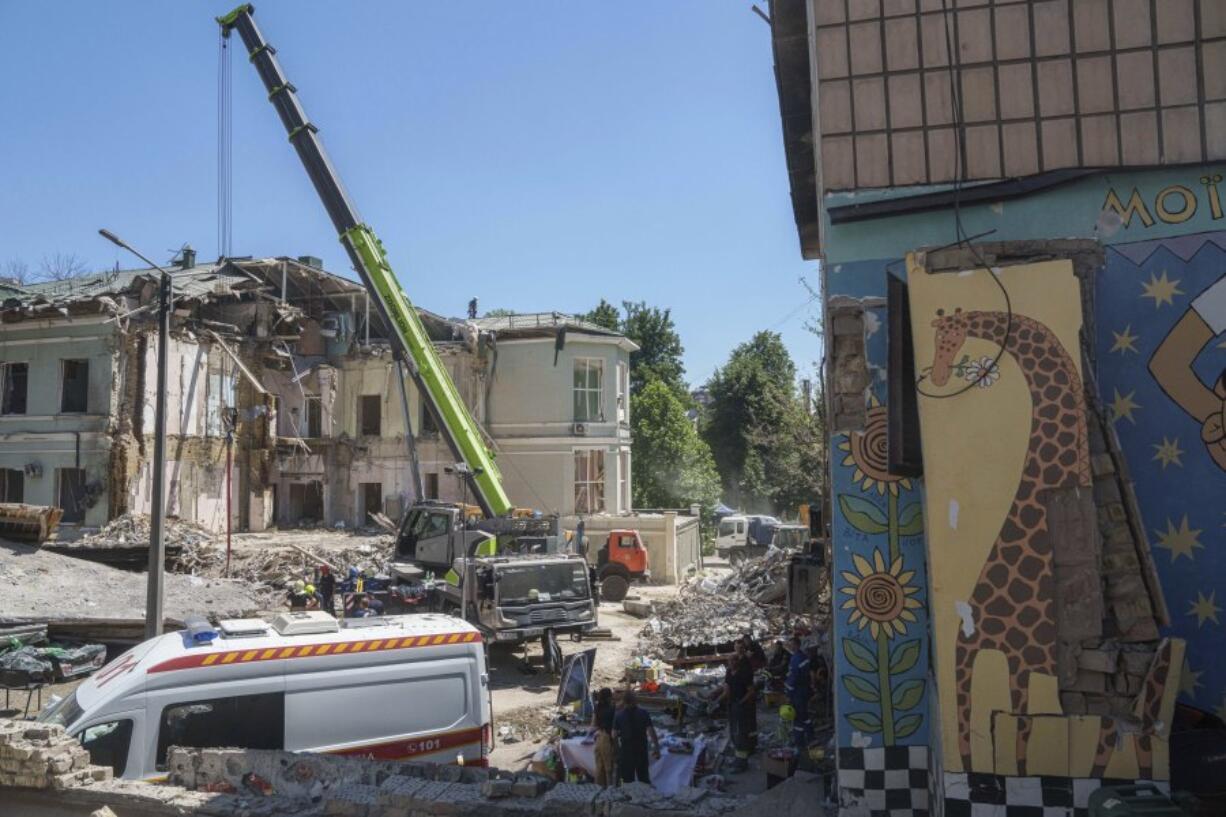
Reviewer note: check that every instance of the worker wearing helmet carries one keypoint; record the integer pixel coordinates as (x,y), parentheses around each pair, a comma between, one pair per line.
(297,595)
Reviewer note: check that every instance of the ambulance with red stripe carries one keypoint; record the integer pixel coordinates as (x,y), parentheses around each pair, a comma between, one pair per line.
(389,687)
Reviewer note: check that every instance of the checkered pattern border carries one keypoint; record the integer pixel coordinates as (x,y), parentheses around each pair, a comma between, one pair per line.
(991,795)
(885,782)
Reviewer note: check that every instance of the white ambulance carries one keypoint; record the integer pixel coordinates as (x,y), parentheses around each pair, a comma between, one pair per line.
(388,687)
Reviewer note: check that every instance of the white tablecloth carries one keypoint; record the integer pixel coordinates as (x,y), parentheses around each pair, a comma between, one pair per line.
(669,773)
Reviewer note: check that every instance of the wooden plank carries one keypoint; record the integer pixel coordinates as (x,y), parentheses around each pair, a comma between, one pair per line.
(250,377)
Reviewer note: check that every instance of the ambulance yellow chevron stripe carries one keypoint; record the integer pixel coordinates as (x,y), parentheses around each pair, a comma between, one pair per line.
(245,656)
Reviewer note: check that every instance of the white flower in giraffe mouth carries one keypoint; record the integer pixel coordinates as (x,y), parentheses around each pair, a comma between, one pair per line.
(982,372)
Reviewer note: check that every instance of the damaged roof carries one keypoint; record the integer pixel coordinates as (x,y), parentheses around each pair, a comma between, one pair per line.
(539,324)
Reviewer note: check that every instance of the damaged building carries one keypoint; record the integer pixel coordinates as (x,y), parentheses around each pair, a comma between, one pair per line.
(283,370)
(1015,207)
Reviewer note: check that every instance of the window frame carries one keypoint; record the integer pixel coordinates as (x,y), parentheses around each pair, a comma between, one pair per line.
(5,376)
(594,474)
(63,383)
(586,392)
(119,768)
(623,393)
(313,430)
(59,492)
(361,414)
(263,707)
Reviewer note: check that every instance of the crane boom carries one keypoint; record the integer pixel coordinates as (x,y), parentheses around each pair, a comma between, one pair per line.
(408,334)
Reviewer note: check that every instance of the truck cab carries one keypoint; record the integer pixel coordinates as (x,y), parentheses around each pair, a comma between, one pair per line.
(621,559)
(504,575)
(745,536)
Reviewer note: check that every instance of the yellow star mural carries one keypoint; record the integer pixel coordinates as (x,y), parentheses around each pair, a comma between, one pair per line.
(1205,609)
(1124,341)
(1168,453)
(1189,680)
(1162,290)
(1124,406)
(1180,541)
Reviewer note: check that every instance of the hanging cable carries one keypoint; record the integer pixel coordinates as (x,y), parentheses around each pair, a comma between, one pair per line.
(225,141)
(955,101)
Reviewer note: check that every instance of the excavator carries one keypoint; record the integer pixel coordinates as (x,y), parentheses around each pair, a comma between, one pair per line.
(501,566)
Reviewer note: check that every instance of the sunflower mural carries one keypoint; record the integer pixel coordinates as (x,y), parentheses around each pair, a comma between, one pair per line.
(879,586)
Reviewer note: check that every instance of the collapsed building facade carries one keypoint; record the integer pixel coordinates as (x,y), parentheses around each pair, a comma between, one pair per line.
(1015,207)
(281,369)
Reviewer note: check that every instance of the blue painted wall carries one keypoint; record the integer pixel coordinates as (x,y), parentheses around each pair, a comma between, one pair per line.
(881,639)
(1145,289)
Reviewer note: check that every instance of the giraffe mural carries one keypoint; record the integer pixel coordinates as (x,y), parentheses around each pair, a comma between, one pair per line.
(1011,609)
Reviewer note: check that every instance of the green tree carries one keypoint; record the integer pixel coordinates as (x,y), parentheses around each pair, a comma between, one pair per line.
(499,312)
(660,349)
(766,444)
(673,467)
(605,314)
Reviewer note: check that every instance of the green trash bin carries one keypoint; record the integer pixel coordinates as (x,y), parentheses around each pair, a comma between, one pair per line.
(1144,800)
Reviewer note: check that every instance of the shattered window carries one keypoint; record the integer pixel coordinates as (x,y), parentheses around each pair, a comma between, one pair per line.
(13,388)
(220,397)
(74,386)
(589,481)
(589,377)
(241,721)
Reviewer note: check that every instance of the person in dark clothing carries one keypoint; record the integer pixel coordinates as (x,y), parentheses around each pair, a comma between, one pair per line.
(741,694)
(757,656)
(602,723)
(326,590)
(631,729)
(799,689)
(777,666)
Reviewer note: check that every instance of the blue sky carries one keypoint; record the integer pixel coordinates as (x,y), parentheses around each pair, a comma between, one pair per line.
(538,155)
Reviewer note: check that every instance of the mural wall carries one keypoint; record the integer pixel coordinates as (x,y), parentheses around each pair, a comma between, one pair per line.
(1004,429)
(1161,355)
(881,640)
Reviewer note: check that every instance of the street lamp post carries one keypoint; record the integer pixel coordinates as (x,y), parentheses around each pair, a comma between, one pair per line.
(157,516)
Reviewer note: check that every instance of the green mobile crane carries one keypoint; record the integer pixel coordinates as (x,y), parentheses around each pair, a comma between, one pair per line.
(504,573)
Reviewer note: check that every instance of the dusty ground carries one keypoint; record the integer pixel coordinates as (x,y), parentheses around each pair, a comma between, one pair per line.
(524,701)
(37,584)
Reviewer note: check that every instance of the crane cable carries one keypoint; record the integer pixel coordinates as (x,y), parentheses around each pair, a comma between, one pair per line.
(225,141)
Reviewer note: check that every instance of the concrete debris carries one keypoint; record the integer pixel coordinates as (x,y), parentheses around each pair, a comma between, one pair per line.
(41,756)
(132,530)
(719,608)
(357,787)
(276,566)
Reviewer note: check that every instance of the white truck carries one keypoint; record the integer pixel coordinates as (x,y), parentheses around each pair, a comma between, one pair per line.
(740,537)
(390,688)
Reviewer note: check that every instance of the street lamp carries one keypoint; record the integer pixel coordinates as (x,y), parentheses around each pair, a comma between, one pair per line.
(157,516)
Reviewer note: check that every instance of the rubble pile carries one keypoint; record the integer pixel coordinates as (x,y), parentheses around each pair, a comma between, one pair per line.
(276,566)
(698,617)
(42,756)
(368,788)
(765,579)
(132,530)
(716,609)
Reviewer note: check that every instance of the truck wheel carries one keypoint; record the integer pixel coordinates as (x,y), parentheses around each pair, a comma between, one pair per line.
(614,587)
